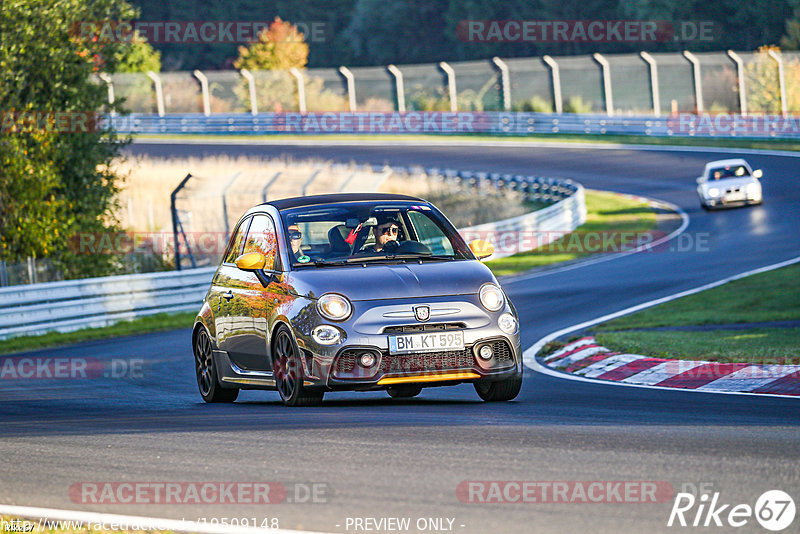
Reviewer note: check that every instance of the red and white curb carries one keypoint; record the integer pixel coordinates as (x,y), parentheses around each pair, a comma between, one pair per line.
(585,357)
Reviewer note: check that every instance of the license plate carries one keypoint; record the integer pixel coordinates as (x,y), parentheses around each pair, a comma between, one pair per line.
(440,341)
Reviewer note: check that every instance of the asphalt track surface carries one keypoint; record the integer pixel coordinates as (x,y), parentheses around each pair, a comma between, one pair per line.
(387,458)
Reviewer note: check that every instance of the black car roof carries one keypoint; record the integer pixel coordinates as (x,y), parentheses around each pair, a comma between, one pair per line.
(286,203)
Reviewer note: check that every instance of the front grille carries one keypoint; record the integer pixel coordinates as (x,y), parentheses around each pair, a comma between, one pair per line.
(428,361)
(346,366)
(427,327)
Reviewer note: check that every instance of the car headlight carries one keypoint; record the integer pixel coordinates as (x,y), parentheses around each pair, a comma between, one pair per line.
(492,297)
(326,334)
(334,307)
(507,323)
(753,189)
(713,191)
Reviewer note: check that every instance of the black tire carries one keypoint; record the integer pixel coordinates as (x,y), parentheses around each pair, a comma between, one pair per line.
(499,391)
(288,371)
(206,371)
(404,392)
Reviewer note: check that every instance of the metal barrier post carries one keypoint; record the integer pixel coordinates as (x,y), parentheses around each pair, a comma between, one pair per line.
(159,92)
(401,94)
(301,89)
(204,88)
(251,84)
(176,223)
(654,92)
(225,202)
(505,82)
(308,183)
(698,82)
(3,274)
(556,74)
(269,184)
(347,181)
(351,86)
(607,93)
(451,85)
(781,81)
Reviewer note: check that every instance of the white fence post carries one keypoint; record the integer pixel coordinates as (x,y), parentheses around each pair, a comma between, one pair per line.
(204,88)
(607,93)
(556,73)
(740,75)
(301,89)
(351,86)
(655,94)
(698,82)
(251,84)
(451,85)
(781,81)
(159,91)
(401,94)
(505,82)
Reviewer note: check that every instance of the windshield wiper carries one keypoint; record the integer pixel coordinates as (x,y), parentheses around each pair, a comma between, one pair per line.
(396,257)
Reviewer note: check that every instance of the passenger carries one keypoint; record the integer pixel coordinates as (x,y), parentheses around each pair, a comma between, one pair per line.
(295,238)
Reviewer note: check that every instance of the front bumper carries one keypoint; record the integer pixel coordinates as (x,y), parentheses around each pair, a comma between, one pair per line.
(338,367)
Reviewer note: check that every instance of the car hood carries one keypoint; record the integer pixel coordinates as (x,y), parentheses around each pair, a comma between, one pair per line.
(377,281)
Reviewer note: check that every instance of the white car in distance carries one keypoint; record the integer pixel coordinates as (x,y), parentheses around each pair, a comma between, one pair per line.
(729,182)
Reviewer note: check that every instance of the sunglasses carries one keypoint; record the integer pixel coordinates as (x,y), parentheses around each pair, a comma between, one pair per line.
(390,229)
(295,234)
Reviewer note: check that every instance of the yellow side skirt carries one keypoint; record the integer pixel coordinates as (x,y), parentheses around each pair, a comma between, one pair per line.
(437,377)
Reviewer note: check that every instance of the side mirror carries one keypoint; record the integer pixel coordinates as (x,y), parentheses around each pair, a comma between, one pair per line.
(482,249)
(252,261)
(699,180)
(758,173)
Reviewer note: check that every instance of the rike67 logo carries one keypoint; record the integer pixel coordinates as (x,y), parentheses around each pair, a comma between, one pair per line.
(774,510)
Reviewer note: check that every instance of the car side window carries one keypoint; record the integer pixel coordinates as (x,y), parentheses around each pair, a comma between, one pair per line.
(261,238)
(429,234)
(235,245)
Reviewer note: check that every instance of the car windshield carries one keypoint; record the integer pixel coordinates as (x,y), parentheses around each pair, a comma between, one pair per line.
(362,232)
(732,171)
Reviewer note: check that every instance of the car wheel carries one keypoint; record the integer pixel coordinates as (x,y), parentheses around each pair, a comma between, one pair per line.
(206,371)
(500,390)
(288,372)
(404,392)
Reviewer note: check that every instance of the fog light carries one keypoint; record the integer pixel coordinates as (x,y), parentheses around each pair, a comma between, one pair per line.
(367,359)
(507,323)
(326,334)
(485,352)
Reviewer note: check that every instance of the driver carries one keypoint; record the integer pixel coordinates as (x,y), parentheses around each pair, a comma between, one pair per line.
(387,230)
(295,239)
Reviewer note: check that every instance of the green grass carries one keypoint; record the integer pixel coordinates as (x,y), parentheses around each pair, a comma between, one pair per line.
(771,144)
(770,296)
(606,212)
(757,345)
(143,325)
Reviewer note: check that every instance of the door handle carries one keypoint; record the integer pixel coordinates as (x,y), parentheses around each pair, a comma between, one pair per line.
(228,295)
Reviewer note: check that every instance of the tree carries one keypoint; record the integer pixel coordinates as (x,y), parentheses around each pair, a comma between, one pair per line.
(55,181)
(279,47)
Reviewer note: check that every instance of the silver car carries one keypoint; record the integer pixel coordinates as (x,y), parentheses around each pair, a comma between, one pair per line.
(354,292)
(729,182)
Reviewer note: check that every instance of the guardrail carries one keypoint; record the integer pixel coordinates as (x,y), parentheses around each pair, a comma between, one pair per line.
(94,302)
(490,123)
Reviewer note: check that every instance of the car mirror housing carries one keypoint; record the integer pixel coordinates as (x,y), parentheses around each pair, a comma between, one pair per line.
(252,261)
(758,173)
(699,180)
(482,249)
